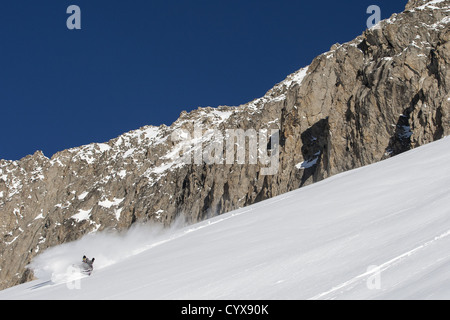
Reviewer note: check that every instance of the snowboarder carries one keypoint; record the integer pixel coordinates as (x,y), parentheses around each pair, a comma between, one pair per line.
(88,265)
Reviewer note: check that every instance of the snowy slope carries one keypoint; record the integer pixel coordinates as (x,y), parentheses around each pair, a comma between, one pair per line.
(317,242)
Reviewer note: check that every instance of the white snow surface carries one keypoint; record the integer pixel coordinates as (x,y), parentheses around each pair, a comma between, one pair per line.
(317,242)
(82,215)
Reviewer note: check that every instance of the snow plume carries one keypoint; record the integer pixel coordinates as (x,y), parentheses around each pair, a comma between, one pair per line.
(107,247)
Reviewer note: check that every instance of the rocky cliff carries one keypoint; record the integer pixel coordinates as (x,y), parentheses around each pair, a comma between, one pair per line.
(374,97)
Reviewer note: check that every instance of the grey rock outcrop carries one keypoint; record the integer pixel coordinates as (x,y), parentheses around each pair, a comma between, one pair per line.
(374,97)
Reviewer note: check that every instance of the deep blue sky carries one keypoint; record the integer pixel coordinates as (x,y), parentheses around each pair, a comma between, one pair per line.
(141,62)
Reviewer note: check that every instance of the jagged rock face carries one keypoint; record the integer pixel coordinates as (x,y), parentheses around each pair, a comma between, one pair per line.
(379,95)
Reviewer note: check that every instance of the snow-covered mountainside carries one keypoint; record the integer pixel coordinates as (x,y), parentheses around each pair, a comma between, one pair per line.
(381,94)
(377,232)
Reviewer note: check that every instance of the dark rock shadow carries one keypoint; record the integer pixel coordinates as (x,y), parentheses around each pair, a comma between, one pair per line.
(315,140)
